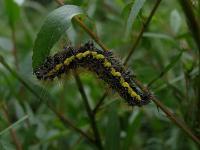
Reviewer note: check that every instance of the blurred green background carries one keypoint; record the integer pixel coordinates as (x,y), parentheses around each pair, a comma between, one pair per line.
(167,52)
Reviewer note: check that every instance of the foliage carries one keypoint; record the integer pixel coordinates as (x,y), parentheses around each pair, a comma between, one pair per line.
(52,115)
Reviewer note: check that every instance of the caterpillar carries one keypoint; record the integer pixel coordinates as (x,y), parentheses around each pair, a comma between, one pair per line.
(103,63)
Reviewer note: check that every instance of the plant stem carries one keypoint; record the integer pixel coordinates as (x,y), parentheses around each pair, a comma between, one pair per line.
(12,131)
(193,22)
(89,111)
(170,115)
(92,34)
(67,123)
(95,110)
(174,119)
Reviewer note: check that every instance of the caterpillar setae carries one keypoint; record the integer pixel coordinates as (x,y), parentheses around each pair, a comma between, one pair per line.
(103,63)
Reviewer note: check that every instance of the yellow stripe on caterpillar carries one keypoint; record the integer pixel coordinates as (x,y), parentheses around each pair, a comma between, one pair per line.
(125,84)
(94,53)
(86,53)
(79,55)
(121,81)
(113,71)
(99,56)
(134,94)
(106,64)
(117,74)
(69,60)
(66,62)
(130,90)
(58,66)
(138,97)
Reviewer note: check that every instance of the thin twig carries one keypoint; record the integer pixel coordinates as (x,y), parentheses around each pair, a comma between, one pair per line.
(12,131)
(174,119)
(63,119)
(170,115)
(95,110)
(89,111)
(67,123)
(193,22)
(92,34)
(144,27)
(166,69)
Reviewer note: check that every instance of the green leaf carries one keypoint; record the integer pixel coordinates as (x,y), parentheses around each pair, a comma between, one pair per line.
(14,125)
(19,2)
(126,10)
(5,43)
(112,130)
(158,36)
(133,14)
(13,12)
(167,68)
(134,124)
(53,28)
(175,21)
(172,63)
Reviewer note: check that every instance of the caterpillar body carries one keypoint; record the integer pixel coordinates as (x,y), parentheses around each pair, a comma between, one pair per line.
(103,63)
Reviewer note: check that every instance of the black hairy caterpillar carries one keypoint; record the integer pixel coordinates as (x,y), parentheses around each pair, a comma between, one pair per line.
(103,63)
